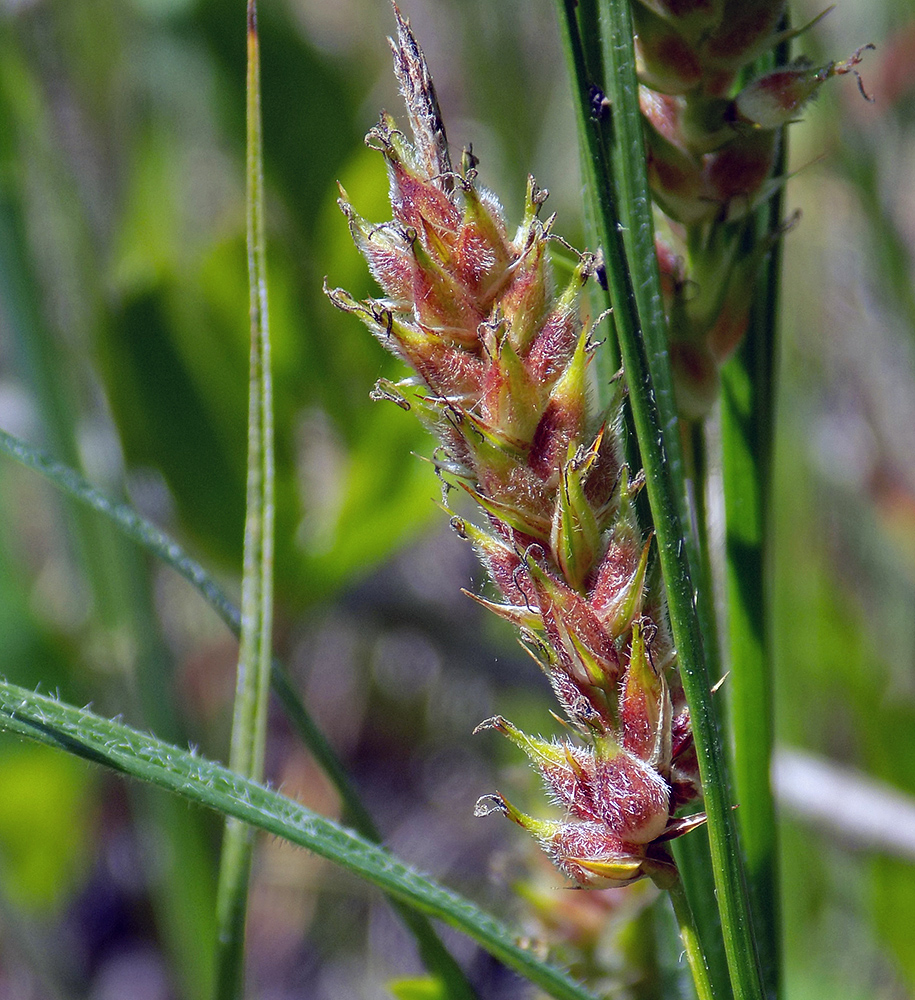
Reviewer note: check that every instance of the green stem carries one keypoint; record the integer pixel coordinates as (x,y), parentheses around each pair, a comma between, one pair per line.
(632,279)
(747,427)
(691,944)
(249,724)
(747,441)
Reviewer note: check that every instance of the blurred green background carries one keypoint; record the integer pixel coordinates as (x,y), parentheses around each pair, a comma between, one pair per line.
(123,351)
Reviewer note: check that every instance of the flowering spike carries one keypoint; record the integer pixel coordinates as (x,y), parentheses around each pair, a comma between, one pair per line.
(712,147)
(501,373)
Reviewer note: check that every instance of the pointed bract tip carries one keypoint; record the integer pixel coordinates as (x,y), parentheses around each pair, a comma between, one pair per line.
(416,85)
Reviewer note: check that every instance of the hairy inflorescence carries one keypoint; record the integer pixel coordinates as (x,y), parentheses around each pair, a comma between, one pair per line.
(501,358)
(713,134)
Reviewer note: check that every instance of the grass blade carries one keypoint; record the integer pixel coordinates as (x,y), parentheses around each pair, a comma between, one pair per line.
(750,682)
(249,723)
(747,439)
(435,956)
(209,784)
(747,442)
(617,179)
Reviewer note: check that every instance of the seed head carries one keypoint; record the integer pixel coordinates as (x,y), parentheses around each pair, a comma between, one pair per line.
(502,370)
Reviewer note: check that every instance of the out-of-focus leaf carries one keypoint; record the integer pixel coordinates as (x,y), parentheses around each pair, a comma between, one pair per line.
(45,822)
(425,988)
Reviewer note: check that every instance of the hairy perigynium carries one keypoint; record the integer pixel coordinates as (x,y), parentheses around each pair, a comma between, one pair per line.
(501,377)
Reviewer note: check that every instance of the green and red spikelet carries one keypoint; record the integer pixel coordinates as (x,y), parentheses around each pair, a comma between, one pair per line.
(501,377)
(712,145)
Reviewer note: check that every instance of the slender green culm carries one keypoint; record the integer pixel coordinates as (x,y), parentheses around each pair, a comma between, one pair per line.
(747,436)
(214,786)
(692,946)
(645,359)
(249,722)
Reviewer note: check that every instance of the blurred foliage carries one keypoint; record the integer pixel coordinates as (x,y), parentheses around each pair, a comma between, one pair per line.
(123,350)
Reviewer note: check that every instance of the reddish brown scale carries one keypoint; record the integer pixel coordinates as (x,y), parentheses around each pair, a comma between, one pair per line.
(564,611)
(447,372)
(420,206)
(391,264)
(663,111)
(557,428)
(585,706)
(572,784)
(508,398)
(454,445)
(481,262)
(525,299)
(744,26)
(474,263)
(502,566)
(617,567)
(553,347)
(670,265)
(729,329)
(740,168)
(718,83)
(634,799)
(674,61)
(517,487)
(679,9)
(443,307)
(685,784)
(673,179)
(681,737)
(695,366)
(603,479)
(637,724)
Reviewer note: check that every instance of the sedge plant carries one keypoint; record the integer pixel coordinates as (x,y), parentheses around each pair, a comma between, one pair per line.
(503,376)
(518,376)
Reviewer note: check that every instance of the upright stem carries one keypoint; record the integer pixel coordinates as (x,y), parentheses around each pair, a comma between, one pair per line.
(633,284)
(254,660)
(747,418)
(691,944)
(747,438)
